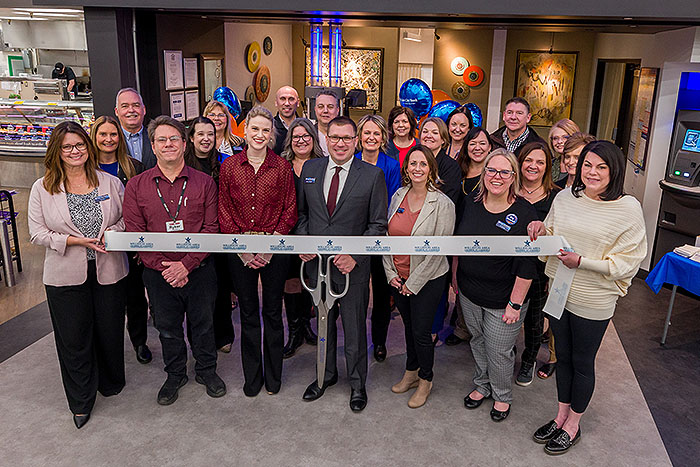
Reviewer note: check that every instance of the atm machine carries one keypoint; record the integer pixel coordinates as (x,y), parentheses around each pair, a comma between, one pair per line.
(679,214)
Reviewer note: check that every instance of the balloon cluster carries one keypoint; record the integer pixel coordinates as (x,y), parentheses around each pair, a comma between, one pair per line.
(226,96)
(417,96)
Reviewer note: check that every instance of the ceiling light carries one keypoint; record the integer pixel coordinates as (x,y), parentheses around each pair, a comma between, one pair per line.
(61,15)
(50,10)
(22,18)
(412,36)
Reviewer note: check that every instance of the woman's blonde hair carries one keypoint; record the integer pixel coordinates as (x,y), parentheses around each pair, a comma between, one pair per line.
(442,129)
(123,159)
(513,162)
(377,120)
(569,126)
(232,139)
(260,111)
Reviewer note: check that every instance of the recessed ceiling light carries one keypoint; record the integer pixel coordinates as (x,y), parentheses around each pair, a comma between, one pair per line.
(627,18)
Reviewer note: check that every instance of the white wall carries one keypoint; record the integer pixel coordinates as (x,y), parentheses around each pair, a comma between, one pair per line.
(417,52)
(59,35)
(237,36)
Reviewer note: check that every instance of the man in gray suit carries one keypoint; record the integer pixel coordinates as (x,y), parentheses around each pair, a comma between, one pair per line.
(342,195)
(130,111)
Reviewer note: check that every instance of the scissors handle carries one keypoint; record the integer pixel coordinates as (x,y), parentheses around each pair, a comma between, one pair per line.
(316,291)
(329,284)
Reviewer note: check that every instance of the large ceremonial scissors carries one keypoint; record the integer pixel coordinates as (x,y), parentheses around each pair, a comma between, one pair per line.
(324,302)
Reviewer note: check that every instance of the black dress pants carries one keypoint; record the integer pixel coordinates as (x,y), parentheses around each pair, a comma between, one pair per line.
(170,305)
(381,309)
(577,341)
(272,277)
(136,303)
(417,312)
(223,324)
(88,324)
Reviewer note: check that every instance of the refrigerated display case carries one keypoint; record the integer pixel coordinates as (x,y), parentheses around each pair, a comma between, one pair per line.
(25,126)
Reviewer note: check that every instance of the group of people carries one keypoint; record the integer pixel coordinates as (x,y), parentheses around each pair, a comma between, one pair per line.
(332,177)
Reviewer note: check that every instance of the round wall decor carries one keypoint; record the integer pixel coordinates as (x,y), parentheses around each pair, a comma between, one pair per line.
(458,65)
(267,45)
(261,81)
(252,54)
(460,90)
(473,76)
(249,94)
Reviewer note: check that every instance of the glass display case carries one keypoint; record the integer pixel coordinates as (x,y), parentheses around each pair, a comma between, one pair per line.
(25,126)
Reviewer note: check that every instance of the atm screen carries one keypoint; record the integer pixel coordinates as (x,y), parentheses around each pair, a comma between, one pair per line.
(691,142)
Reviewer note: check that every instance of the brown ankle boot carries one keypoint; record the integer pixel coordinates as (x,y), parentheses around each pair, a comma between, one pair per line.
(421,395)
(409,381)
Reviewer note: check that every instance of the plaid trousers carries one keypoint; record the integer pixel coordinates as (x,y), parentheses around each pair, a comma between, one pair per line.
(492,347)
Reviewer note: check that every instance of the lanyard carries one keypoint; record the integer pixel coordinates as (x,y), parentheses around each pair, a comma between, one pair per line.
(179,202)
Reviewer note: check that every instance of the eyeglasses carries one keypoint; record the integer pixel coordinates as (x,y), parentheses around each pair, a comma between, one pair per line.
(68,148)
(172,139)
(297,138)
(345,139)
(559,138)
(216,115)
(505,174)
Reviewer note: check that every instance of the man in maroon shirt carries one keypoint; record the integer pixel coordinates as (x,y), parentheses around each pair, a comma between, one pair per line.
(172,197)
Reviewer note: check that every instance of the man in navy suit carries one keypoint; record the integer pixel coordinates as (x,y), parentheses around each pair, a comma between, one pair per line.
(342,195)
(130,111)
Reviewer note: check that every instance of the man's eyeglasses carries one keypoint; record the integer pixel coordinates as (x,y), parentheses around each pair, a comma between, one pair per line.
(172,139)
(68,148)
(505,174)
(345,139)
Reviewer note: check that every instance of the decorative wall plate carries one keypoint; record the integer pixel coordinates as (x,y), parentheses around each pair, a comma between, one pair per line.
(458,65)
(267,45)
(249,94)
(473,76)
(252,56)
(261,81)
(460,90)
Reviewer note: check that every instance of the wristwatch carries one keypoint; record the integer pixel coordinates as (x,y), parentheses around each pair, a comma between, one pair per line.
(515,306)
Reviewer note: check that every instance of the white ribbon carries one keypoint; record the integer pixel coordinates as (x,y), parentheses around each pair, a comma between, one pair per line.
(357,245)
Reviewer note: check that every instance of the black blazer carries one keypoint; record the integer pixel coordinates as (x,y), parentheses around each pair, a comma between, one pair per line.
(361,210)
(138,166)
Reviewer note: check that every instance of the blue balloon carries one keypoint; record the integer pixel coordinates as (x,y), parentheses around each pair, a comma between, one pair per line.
(229,99)
(443,109)
(416,95)
(477,118)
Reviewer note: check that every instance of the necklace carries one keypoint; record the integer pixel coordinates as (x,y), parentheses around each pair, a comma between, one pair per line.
(531,192)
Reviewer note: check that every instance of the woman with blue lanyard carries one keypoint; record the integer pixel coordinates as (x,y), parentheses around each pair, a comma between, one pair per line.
(373,135)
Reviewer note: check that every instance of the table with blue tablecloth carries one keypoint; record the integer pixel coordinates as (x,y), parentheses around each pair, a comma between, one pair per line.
(678,271)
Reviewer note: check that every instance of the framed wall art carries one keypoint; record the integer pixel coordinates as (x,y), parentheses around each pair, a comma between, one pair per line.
(546,80)
(361,68)
(641,118)
(212,73)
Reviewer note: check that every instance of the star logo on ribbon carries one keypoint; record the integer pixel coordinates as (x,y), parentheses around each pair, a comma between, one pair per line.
(330,242)
(476,242)
(141,239)
(378,242)
(281,241)
(527,242)
(235,241)
(426,242)
(188,240)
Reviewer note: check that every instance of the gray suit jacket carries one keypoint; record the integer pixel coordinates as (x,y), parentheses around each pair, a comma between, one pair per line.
(361,210)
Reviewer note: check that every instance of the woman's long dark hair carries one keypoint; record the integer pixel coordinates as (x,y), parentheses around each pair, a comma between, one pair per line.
(615,160)
(463,157)
(191,158)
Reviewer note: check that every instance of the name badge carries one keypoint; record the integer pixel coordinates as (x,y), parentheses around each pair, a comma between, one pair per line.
(101,198)
(175,226)
(502,225)
(310,180)
(400,210)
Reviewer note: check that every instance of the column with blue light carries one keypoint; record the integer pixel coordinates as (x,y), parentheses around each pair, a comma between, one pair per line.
(316,54)
(334,65)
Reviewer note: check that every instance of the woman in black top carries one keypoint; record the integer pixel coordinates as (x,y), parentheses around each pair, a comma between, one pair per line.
(493,289)
(536,186)
(113,157)
(300,145)
(201,154)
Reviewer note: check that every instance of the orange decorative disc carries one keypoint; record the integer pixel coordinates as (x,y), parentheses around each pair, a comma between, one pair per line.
(261,81)
(473,76)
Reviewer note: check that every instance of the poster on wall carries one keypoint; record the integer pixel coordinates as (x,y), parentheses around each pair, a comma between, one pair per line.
(172,61)
(641,118)
(192,104)
(191,78)
(212,70)
(546,81)
(361,68)
(177,105)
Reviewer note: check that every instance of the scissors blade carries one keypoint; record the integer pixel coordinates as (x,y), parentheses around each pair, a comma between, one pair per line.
(322,333)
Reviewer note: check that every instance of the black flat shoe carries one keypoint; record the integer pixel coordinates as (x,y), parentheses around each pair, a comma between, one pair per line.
(358,400)
(215,385)
(452,339)
(296,339)
(380,352)
(313,391)
(498,416)
(561,442)
(81,420)
(473,403)
(169,391)
(309,335)
(545,432)
(143,354)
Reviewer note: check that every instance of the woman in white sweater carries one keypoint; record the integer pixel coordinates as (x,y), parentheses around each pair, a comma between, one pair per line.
(606,230)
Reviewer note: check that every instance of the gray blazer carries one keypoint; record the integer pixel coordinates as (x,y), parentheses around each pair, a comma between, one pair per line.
(437,217)
(361,210)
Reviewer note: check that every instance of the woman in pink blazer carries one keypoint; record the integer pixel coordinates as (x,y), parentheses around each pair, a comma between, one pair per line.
(70,208)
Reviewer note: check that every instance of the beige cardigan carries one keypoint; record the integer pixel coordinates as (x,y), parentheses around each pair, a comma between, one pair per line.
(50,225)
(437,217)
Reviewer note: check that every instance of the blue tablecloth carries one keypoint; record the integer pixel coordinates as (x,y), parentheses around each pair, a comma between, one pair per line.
(675,270)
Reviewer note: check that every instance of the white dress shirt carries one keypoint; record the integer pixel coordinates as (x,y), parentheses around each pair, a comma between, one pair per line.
(343,175)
